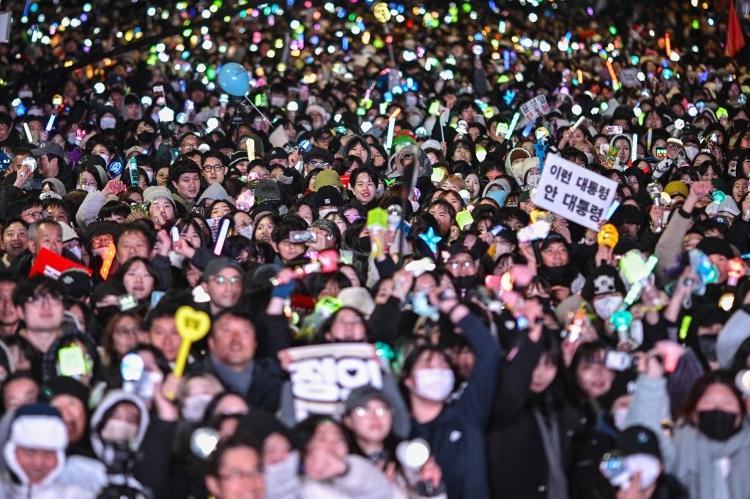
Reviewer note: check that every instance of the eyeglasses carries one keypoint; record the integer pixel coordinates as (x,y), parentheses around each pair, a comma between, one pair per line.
(319,163)
(220,279)
(36,215)
(455,265)
(378,412)
(213,168)
(126,331)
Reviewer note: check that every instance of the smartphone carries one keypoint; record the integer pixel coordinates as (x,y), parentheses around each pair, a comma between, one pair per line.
(613,130)
(175,232)
(158,89)
(661,152)
(618,361)
(302,236)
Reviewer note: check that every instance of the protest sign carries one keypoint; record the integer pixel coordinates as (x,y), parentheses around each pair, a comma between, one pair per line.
(535,108)
(573,192)
(322,376)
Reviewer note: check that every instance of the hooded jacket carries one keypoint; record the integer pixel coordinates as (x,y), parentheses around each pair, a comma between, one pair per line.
(39,426)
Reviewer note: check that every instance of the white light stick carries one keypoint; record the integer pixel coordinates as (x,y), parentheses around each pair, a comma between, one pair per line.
(250,149)
(634,148)
(578,123)
(175,234)
(223,231)
(50,123)
(391,129)
(28,133)
(512,126)
(648,140)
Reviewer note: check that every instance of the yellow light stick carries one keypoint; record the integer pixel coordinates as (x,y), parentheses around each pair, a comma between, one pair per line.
(192,325)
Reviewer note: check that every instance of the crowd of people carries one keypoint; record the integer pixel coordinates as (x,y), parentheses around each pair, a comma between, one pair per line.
(376,186)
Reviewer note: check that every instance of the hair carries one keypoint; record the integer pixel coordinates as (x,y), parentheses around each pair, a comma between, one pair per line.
(13,377)
(24,203)
(235,312)
(190,221)
(35,286)
(699,388)
(135,228)
(34,227)
(237,441)
(114,209)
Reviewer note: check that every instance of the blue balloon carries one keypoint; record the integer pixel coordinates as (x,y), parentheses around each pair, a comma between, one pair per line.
(233,79)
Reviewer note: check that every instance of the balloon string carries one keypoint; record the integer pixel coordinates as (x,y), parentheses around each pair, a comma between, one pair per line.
(258,110)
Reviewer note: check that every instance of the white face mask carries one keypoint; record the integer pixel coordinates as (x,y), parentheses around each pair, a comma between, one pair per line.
(278,101)
(647,465)
(434,383)
(620,417)
(246,232)
(25,94)
(76,251)
(107,123)
(105,157)
(117,430)
(194,407)
(691,152)
(607,306)
(532,180)
(87,188)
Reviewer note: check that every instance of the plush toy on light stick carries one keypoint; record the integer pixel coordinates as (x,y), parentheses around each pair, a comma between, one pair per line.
(192,325)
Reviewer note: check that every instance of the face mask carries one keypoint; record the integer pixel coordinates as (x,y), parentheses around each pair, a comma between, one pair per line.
(691,152)
(364,244)
(246,232)
(194,407)
(619,417)
(107,123)
(277,101)
(146,137)
(647,465)
(76,251)
(532,180)
(434,383)
(717,425)
(116,430)
(25,94)
(607,306)
(411,100)
(105,157)
(87,188)
(465,281)
(707,344)
(498,196)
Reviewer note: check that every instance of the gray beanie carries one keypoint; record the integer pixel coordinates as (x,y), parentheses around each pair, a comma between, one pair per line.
(156,192)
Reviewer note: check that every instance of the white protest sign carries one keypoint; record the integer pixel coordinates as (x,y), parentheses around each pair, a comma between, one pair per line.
(322,376)
(573,192)
(535,108)
(629,77)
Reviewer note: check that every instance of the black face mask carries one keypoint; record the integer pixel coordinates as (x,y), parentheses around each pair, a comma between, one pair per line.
(146,137)
(364,244)
(717,425)
(707,345)
(465,281)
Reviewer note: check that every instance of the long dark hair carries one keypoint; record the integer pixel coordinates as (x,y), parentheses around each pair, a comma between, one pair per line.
(699,388)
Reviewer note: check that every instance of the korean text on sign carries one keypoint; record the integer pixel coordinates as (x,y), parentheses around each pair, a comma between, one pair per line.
(322,376)
(573,192)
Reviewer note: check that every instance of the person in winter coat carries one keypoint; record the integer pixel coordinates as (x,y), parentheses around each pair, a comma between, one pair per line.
(454,429)
(709,451)
(329,470)
(35,457)
(532,422)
